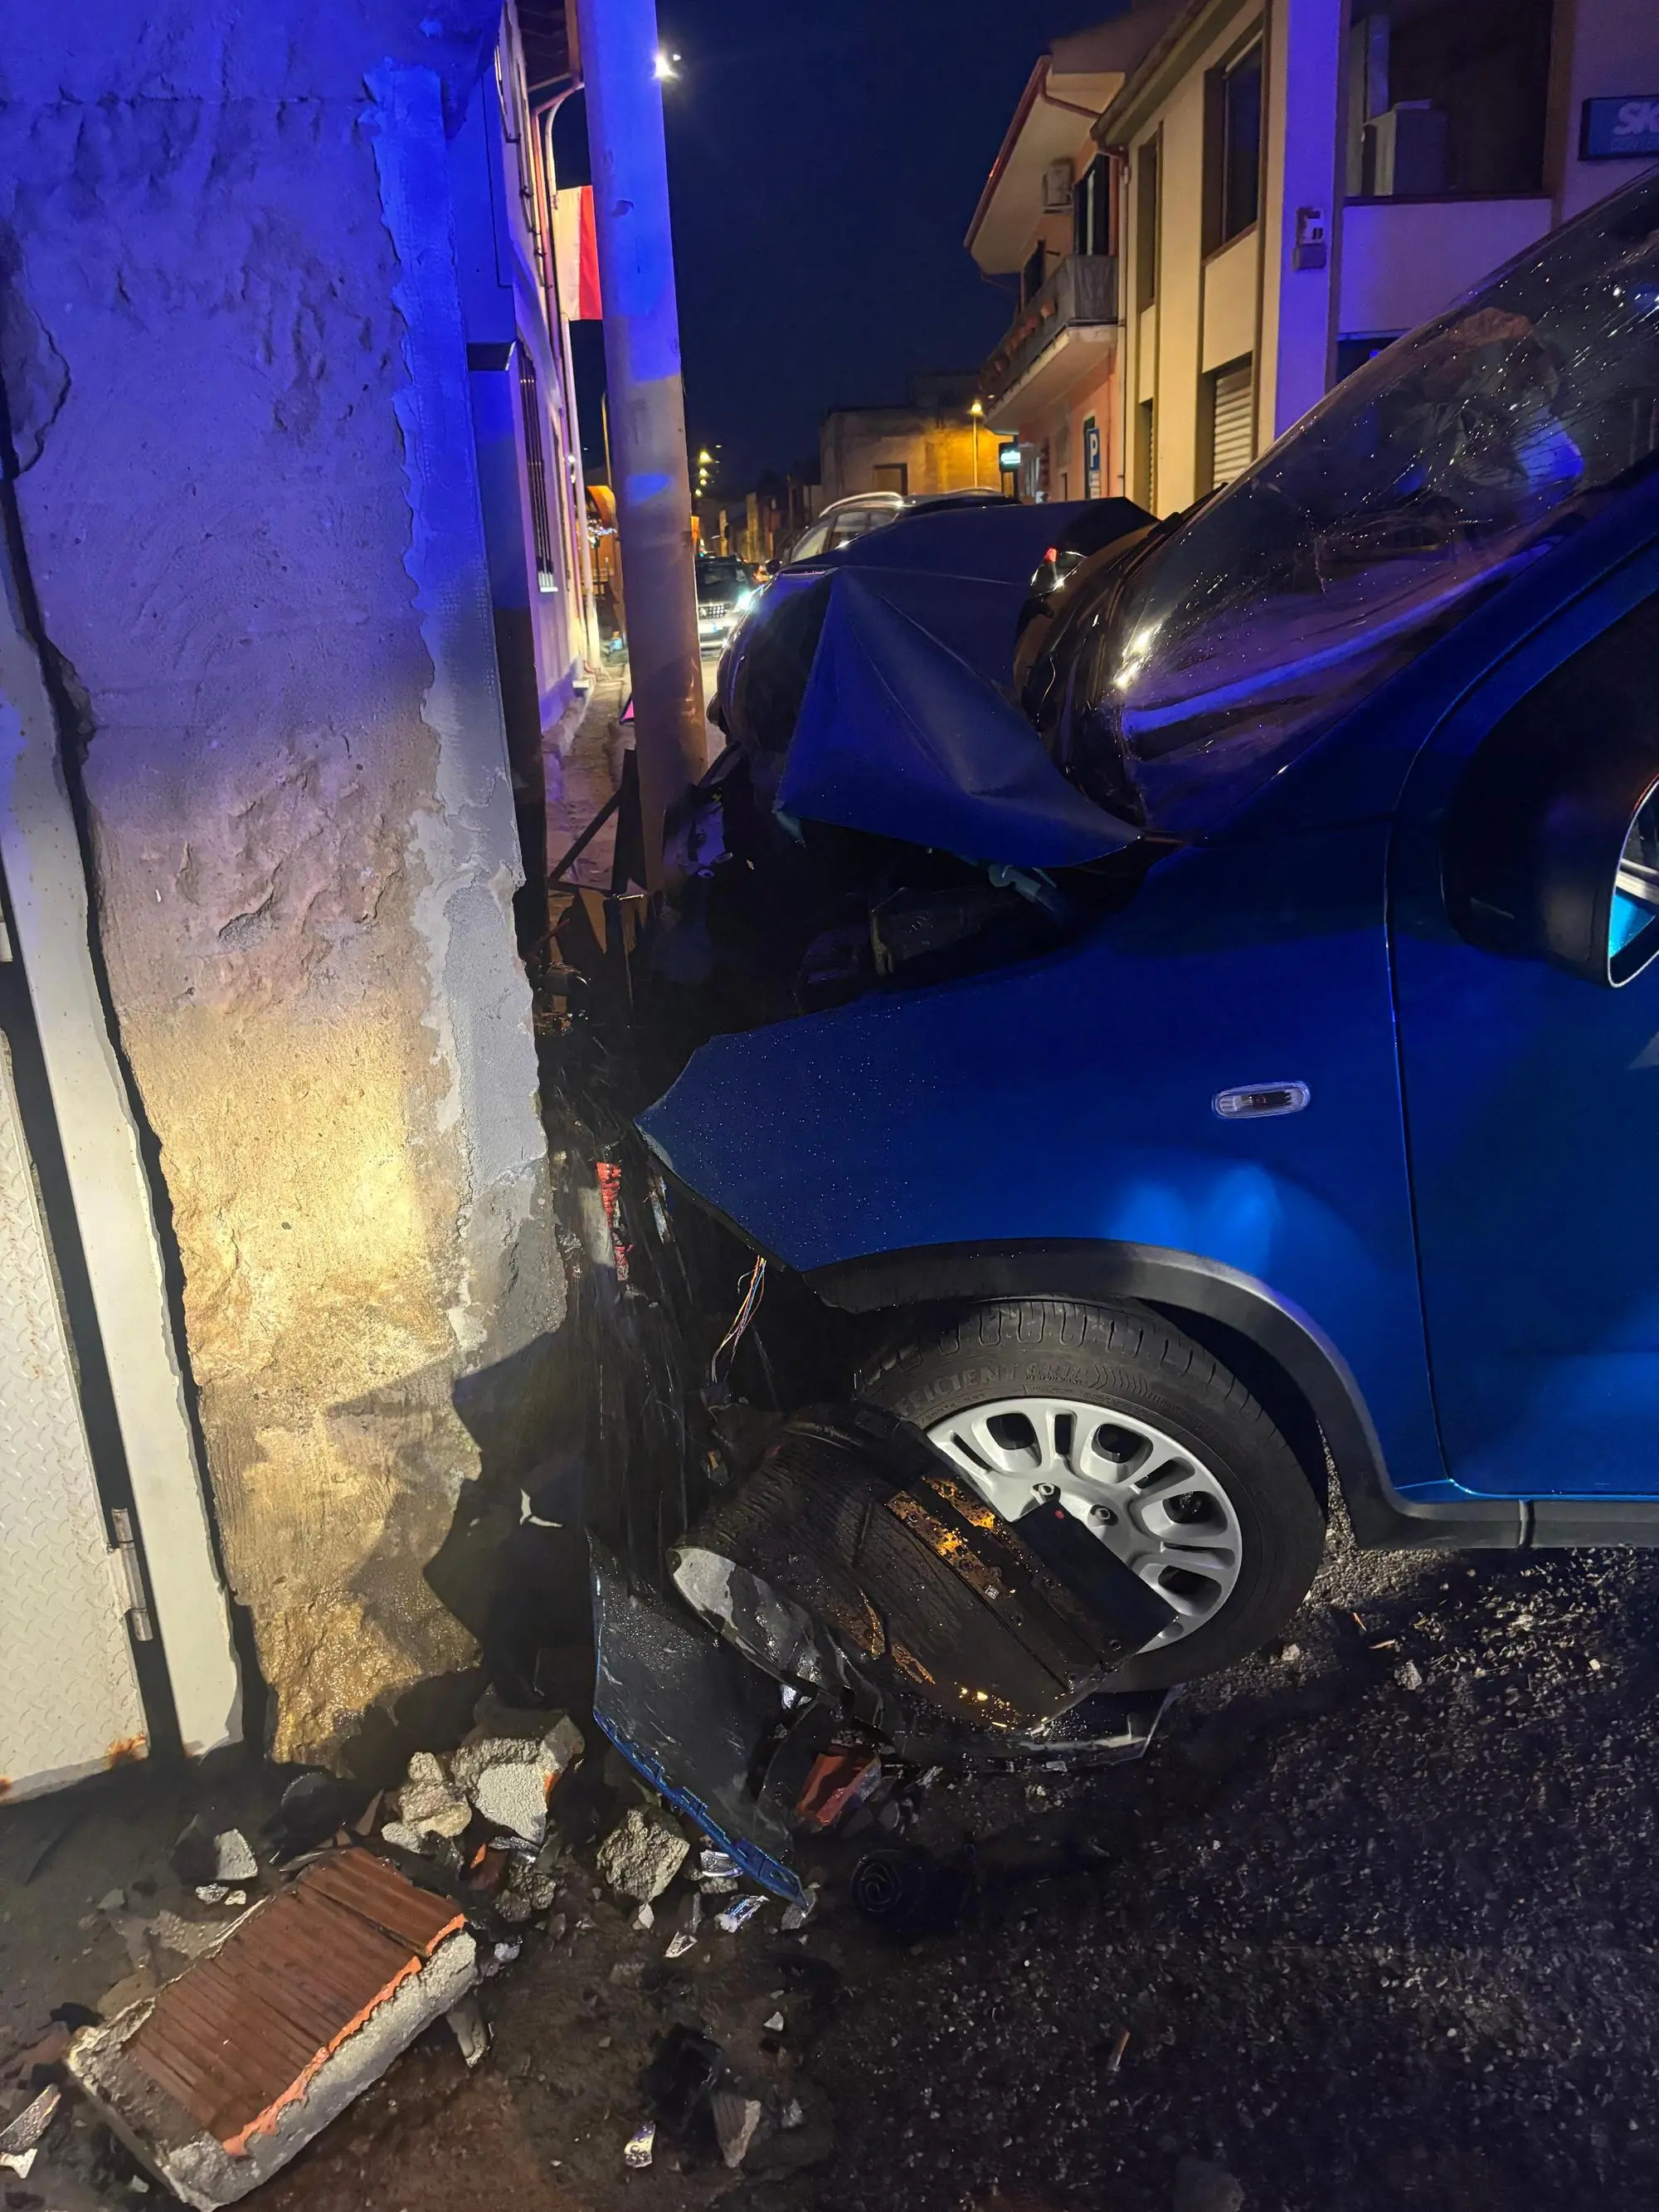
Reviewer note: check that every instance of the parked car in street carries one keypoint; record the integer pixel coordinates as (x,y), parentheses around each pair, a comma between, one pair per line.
(1202,1017)
(726,592)
(845,520)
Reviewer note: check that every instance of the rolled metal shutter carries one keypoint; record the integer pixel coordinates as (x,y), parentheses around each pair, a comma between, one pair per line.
(1232,436)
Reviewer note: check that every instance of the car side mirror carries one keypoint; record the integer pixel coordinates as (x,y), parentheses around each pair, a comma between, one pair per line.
(1551,848)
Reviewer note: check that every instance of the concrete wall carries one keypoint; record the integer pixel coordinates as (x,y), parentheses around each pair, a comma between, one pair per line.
(232,350)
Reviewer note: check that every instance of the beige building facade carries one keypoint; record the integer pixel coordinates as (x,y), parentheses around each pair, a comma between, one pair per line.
(1300,181)
(1047,226)
(934,443)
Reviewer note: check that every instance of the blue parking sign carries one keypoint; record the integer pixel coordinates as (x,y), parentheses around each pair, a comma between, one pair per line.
(1616,129)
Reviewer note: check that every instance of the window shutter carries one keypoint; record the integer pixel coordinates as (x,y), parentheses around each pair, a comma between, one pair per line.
(1232,436)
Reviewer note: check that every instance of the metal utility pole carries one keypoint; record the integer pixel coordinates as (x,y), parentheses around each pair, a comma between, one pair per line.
(646,403)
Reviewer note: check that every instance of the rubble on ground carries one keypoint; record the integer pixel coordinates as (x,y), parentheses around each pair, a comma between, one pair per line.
(641,1857)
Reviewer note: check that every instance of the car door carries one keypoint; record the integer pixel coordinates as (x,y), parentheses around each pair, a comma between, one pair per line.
(1532,1101)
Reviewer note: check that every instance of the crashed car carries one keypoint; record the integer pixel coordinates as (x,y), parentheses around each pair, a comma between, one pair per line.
(1175,1024)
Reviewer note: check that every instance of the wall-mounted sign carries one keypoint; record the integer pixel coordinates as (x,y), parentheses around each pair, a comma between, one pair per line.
(1008,457)
(1618,128)
(1090,458)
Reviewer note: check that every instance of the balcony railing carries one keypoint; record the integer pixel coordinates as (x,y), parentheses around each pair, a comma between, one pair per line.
(1082,290)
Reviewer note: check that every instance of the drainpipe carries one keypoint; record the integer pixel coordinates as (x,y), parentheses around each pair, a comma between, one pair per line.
(653,481)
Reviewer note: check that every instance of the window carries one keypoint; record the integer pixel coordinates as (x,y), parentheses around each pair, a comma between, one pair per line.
(1091,208)
(892,476)
(535,469)
(1352,353)
(1230,403)
(1146,225)
(1232,151)
(1447,98)
(1031,276)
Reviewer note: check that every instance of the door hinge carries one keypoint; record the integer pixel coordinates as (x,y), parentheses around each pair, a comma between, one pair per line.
(125,1560)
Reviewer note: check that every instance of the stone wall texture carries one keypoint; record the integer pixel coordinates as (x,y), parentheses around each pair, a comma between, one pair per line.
(246,521)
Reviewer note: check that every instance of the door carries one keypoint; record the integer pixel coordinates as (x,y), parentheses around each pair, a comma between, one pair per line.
(1532,1099)
(70,1700)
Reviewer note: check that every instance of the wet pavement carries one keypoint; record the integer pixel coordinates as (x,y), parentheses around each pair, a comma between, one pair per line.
(1376,1914)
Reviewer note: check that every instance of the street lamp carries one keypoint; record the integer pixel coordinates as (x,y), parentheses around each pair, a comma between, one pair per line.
(664,68)
(977,411)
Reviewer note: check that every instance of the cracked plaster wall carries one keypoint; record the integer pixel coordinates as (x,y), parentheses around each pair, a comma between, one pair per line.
(247,522)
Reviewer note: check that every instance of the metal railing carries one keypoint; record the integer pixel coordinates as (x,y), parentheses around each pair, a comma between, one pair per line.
(1083,289)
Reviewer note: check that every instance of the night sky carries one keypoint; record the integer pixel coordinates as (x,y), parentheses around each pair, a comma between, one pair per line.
(824,158)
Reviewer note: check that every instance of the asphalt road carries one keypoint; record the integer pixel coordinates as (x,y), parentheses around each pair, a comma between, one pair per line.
(1376,1912)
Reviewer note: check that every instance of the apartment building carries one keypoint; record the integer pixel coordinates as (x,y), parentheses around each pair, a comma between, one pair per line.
(1301,180)
(1210,212)
(1047,227)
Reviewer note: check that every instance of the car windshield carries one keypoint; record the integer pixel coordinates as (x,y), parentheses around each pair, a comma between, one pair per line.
(1436,469)
(719,580)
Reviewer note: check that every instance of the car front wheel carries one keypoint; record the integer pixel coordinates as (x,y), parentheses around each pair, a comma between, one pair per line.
(1144,1437)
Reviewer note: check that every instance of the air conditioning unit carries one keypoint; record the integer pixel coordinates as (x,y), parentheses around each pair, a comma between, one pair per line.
(1057,188)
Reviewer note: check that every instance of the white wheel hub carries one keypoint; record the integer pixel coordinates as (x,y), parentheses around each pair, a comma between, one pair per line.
(1146,1497)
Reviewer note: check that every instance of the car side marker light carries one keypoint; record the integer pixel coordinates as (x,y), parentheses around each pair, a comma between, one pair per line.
(1260,1102)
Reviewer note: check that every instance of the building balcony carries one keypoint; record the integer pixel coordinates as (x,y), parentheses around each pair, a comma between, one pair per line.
(1055,334)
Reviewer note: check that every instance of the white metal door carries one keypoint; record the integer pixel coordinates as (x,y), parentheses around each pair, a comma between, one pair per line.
(69,1701)
(1232,438)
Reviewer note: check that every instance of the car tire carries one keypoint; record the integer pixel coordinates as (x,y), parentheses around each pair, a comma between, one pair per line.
(970,1383)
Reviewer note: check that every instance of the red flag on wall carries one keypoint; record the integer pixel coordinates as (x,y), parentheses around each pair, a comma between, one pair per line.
(576,255)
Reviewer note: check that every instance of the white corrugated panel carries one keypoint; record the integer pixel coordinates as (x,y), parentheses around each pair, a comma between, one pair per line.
(69,1696)
(1232,438)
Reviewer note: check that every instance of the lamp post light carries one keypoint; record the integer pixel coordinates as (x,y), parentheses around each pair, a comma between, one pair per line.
(977,411)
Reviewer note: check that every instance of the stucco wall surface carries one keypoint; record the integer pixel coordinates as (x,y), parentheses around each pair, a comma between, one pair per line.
(231,353)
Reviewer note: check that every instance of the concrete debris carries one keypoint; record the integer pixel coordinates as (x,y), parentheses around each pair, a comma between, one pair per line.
(1409,1675)
(742,1909)
(641,2147)
(233,1859)
(736,2120)
(402,1837)
(680,1944)
(792,2115)
(112,1901)
(774,2026)
(215,1893)
(466,2024)
(640,1858)
(1202,2186)
(719,1885)
(19,2142)
(526,1891)
(797,1915)
(429,1802)
(644,1919)
(509,1778)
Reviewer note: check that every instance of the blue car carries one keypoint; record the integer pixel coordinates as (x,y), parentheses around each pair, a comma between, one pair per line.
(1223,1069)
